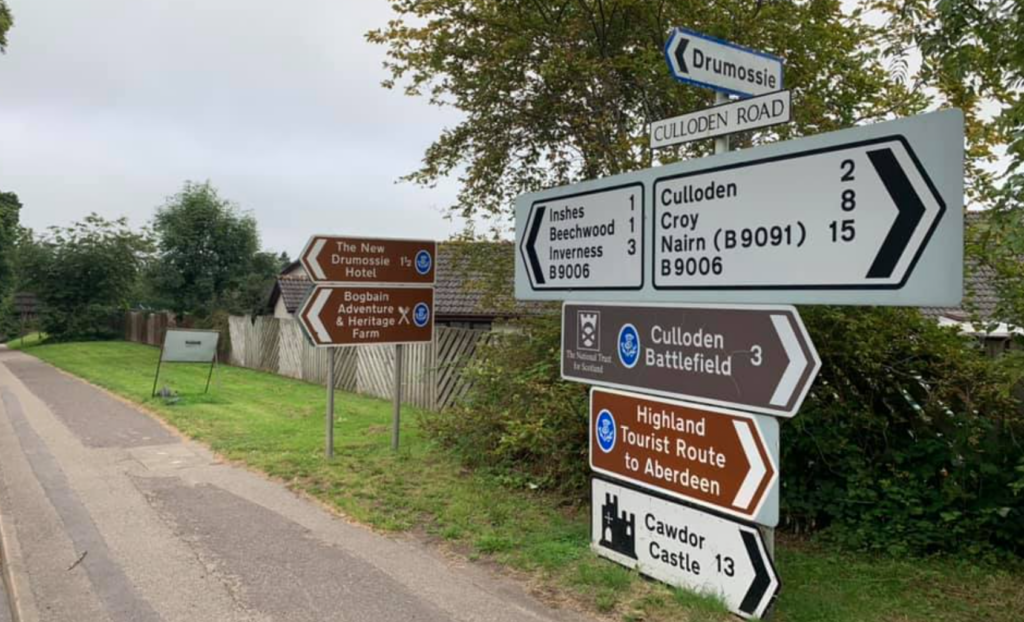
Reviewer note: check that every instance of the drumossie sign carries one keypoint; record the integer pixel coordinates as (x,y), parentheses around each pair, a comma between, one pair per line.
(711,456)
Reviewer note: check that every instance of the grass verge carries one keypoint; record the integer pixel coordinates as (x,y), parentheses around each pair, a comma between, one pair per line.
(275,425)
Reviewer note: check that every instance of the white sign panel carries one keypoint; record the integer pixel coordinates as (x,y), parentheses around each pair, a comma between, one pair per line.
(705,61)
(586,240)
(739,116)
(684,547)
(870,215)
(852,215)
(190,346)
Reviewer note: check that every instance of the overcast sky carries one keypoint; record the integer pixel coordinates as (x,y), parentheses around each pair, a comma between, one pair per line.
(110,105)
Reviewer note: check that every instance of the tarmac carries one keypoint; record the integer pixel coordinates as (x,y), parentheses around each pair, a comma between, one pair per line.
(106,514)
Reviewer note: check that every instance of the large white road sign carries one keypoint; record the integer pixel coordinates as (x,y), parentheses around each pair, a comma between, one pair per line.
(705,61)
(683,546)
(870,215)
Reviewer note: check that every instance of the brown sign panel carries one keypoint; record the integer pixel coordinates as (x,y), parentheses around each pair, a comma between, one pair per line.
(758,358)
(369,260)
(714,457)
(347,315)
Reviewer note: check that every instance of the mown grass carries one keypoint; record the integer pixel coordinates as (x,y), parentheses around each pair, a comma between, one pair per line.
(276,425)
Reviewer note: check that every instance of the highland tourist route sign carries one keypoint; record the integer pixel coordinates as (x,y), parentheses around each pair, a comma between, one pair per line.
(337,259)
(738,116)
(869,215)
(759,358)
(705,61)
(725,460)
(684,547)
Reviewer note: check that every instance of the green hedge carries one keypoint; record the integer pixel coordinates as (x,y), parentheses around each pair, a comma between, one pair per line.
(908,441)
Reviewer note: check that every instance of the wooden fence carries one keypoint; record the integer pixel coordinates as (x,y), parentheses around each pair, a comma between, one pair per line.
(432,377)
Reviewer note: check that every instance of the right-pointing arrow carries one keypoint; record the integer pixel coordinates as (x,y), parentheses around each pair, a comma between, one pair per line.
(908,205)
(760,592)
(758,468)
(790,380)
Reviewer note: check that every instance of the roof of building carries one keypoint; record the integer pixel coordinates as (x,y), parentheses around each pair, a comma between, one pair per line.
(463,289)
(980,293)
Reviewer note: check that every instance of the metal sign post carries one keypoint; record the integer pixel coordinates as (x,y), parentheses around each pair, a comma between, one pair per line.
(331,355)
(397,409)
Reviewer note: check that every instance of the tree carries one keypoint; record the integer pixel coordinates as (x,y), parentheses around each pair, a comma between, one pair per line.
(6,21)
(208,254)
(84,275)
(10,207)
(553,92)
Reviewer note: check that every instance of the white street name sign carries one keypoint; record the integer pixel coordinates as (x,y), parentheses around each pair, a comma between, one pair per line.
(705,61)
(870,215)
(588,240)
(738,116)
(684,546)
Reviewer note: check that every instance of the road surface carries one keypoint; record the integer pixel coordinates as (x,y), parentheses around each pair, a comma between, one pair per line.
(105,514)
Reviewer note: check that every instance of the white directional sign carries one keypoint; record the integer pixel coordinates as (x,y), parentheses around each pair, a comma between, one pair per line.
(865,209)
(738,116)
(870,215)
(715,64)
(683,546)
(586,240)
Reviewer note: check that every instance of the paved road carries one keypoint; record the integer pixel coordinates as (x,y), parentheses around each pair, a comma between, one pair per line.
(106,515)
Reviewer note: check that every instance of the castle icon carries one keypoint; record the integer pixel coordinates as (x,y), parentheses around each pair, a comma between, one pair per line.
(618,532)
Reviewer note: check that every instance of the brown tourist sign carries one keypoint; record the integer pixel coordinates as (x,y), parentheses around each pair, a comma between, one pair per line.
(351,315)
(754,357)
(722,459)
(369,260)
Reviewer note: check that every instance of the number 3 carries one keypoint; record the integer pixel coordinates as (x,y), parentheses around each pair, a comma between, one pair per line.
(755,360)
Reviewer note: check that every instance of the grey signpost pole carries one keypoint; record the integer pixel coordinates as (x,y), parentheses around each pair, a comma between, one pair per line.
(398,397)
(330,401)
(722,146)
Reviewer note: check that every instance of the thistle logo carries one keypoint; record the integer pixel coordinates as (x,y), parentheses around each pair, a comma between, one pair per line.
(605,431)
(629,345)
(421,314)
(588,333)
(423,262)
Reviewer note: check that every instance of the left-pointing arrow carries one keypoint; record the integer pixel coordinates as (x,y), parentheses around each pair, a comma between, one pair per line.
(313,259)
(531,246)
(314,315)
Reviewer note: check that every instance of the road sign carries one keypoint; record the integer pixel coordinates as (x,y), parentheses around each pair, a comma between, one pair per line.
(758,358)
(739,116)
(589,240)
(347,315)
(725,460)
(705,61)
(683,546)
(336,259)
(870,215)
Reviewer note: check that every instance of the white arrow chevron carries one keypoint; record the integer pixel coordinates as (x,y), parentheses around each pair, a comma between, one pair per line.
(797,361)
(314,315)
(757,467)
(314,252)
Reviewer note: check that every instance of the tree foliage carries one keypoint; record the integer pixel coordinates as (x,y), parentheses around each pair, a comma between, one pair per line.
(554,92)
(10,208)
(6,21)
(84,275)
(208,255)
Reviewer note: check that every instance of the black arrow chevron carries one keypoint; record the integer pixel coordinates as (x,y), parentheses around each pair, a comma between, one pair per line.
(762,579)
(910,211)
(680,48)
(531,250)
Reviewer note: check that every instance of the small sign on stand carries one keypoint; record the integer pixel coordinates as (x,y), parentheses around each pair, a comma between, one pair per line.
(188,346)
